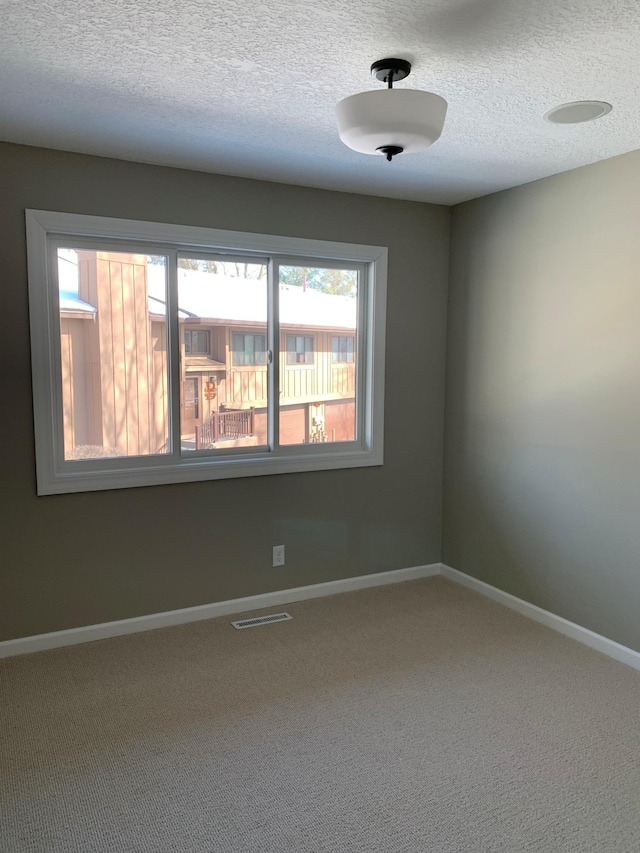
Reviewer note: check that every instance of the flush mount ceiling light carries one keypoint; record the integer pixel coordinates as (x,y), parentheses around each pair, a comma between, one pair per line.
(577,112)
(391,121)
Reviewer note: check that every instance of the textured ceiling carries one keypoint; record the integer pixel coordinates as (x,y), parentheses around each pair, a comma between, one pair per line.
(249,88)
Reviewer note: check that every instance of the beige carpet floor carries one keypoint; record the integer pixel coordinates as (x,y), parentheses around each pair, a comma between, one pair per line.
(404,719)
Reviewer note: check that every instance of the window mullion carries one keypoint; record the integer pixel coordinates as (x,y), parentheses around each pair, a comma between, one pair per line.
(363,348)
(273,335)
(173,344)
(56,433)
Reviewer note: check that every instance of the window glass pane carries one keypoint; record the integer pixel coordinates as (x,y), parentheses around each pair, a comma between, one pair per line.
(299,349)
(249,349)
(318,316)
(238,348)
(343,349)
(113,348)
(223,373)
(200,342)
(260,349)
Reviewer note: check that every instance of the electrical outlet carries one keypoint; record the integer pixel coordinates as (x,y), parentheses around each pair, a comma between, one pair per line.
(278,555)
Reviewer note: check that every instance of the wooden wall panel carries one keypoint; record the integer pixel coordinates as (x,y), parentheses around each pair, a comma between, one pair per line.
(67,392)
(92,387)
(293,424)
(131,417)
(160,391)
(323,380)
(248,386)
(78,365)
(130,365)
(260,426)
(343,380)
(340,420)
(142,332)
(218,339)
(103,303)
(77,396)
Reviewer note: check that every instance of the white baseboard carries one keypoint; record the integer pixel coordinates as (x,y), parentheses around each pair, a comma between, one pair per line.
(557,623)
(85,634)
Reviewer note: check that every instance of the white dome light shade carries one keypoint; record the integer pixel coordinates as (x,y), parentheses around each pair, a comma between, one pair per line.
(407,118)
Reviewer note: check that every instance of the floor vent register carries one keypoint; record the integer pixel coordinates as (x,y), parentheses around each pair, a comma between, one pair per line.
(262,620)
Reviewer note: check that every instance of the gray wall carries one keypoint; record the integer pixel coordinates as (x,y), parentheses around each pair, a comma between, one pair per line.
(542,456)
(72,560)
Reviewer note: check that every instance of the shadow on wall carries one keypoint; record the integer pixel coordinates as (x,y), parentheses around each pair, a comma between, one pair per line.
(547,492)
(542,492)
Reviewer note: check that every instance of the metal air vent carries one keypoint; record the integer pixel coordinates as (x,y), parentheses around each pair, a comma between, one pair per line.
(262,620)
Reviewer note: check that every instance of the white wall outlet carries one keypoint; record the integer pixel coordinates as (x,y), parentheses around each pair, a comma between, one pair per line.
(278,555)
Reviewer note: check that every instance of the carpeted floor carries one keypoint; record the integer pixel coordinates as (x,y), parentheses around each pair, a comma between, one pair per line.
(403,719)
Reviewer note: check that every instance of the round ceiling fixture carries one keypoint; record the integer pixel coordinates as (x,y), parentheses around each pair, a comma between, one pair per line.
(577,112)
(391,121)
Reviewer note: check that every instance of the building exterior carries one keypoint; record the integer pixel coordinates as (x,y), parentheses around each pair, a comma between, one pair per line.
(115,367)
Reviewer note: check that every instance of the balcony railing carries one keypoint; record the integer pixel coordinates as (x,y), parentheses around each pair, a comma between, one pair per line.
(223,426)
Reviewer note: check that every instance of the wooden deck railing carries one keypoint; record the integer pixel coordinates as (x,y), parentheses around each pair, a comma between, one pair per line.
(221,426)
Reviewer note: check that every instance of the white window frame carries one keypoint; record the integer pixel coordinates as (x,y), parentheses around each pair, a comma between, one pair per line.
(55,475)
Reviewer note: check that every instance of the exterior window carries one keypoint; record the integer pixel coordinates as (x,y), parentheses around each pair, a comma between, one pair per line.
(249,349)
(196,342)
(342,350)
(299,349)
(130,390)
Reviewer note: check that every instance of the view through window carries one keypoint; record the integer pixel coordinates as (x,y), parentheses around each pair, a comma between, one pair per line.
(224,390)
(114,355)
(317,396)
(113,352)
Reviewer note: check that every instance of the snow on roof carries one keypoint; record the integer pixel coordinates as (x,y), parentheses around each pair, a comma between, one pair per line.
(70,302)
(203,295)
(207,296)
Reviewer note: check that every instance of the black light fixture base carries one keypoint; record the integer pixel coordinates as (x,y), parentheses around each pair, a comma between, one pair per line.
(390,151)
(389,71)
